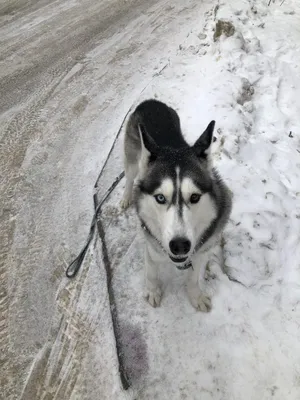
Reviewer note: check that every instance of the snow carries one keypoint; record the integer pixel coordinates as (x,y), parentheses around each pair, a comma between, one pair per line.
(248,346)
(61,343)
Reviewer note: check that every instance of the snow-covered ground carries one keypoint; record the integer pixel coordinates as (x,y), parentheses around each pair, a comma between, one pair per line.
(56,334)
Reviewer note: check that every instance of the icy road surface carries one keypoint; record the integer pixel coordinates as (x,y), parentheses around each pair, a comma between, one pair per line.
(69,72)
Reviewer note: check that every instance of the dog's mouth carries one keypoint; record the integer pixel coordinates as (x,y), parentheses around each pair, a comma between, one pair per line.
(181,263)
(178,260)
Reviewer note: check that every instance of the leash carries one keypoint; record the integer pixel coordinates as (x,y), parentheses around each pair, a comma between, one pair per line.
(73,268)
(75,265)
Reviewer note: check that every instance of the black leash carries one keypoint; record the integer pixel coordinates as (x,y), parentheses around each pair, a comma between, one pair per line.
(73,268)
(75,265)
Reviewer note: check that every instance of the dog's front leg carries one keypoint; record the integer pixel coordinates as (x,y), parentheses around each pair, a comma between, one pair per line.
(152,285)
(195,283)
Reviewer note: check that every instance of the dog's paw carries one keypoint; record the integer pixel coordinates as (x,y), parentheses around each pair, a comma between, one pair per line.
(125,202)
(199,301)
(153,296)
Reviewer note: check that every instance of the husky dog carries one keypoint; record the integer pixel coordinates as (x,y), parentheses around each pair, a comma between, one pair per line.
(180,199)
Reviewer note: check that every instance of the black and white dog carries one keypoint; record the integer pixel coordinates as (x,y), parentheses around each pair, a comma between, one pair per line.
(181,201)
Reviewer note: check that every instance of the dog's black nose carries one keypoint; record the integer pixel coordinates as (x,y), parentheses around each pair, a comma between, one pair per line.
(180,246)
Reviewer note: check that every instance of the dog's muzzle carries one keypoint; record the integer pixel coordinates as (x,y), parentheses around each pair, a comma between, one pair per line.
(180,262)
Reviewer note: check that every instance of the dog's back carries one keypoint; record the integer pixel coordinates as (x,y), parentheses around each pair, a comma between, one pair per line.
(161,123)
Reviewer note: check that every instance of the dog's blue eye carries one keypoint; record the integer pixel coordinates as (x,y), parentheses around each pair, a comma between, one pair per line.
(195,197)
(160,198)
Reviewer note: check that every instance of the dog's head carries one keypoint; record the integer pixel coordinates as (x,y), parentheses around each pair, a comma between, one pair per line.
(174,194)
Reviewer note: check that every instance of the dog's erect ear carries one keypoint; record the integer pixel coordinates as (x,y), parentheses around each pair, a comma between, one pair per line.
(148,145)
(203,144)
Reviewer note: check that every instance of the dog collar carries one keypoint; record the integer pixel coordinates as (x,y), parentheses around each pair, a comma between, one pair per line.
(145,228)
(187,265)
